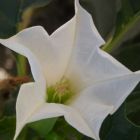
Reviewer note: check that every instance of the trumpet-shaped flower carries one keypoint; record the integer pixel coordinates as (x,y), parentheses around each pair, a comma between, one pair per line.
(73,77)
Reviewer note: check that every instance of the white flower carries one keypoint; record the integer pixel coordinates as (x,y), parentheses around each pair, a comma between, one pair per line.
(100,83)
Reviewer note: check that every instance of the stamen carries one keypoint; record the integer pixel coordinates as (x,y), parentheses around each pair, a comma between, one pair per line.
(60,92)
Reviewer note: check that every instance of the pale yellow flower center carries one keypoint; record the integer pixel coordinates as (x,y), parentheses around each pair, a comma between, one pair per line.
(61,92)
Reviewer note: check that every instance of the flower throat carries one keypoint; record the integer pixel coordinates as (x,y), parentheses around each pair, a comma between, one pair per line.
(61,92)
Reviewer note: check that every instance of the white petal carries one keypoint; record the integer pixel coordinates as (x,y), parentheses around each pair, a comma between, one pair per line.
(72,116)
(86,32)
(29,99)
(104,98)
(13,44)
(63,39)
(31,107)
(93,113)
(88,63)
(99,66)
(77,34)
(81,27)
(45,59)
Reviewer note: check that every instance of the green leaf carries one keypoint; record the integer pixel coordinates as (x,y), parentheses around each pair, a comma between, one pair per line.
(132,107)
(102,11)
(43,127)
(28,134)
(11,13)
(135,4)
(129,55)
(38,130)
(121,128)
(67,132)
(127,19)
(53,136)
(7,128)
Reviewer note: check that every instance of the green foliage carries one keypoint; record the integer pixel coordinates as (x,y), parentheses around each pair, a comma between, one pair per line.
(103,12)
(124,124)
(11,13)
(120,128)
(127,18)
(39,129)
(43,127)
(133,107)
(65,131)
(7,128)
(129,55)
(51,129)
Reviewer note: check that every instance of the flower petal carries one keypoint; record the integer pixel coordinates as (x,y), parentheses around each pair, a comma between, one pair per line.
(29,99)
(104,98)
(72,116)
(86,32)
(30,108)
(26,44)
(62,39)
(55,110)
(99,66)
(88,63)
(44,58)
(77,34)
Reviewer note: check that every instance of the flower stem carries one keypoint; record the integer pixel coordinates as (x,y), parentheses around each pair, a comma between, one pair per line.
(21,65)
(113,43)
(21,60)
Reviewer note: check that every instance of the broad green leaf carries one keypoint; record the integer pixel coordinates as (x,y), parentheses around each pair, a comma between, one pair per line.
(103,13)
(132,107)
(11,13)
(129,55)
(135,4)
(127,19)
(67,132)
(106,127)
(38,130)
(7,128)
(28,134)
(43,127)
(121,128)
(53,136)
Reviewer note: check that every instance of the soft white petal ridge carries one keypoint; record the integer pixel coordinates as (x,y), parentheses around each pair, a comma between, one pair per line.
(72,116)
(88,63)
(29,99)
(79,34)
(98,66)
(22,44)
(43,110)
(62,40)
(103,98)
(44,56)
(85,27)
(32,107)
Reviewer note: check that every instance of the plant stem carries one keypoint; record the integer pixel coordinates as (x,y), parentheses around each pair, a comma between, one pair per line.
(21,65)
(112,44)
(21,60)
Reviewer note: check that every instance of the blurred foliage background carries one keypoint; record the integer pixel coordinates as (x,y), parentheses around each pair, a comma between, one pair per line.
(118,21)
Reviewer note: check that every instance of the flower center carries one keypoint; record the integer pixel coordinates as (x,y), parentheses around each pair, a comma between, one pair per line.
(61,92)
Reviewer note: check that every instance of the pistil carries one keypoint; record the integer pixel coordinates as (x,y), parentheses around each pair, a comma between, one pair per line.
(61,92)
